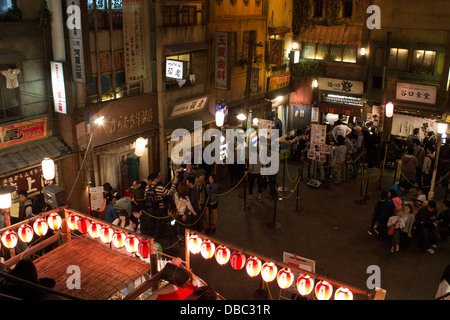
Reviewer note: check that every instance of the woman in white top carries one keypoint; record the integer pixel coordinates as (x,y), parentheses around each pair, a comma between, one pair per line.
(184,208)
(124,221)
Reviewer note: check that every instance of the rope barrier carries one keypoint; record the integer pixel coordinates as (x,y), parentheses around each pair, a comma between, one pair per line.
(442,179)
(287,197)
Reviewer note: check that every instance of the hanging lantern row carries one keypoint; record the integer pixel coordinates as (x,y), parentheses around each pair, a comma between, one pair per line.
(26,233)
(268,271)
(107,235)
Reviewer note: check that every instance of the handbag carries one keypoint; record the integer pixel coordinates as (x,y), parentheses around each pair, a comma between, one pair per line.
(391,230)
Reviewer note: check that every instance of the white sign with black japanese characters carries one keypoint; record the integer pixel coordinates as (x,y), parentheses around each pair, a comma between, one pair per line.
(341,86)
(416,92)
(174,69)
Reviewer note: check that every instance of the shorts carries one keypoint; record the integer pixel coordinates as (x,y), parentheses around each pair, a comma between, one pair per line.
(214,205)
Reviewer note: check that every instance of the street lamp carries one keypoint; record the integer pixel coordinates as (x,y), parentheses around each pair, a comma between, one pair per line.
(442,128)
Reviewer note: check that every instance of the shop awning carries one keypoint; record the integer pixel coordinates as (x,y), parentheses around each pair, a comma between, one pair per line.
(302,96)
(279,92)
(339,35)
(185,47)
(31,154)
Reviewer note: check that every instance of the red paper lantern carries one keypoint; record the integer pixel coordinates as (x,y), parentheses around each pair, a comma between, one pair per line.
(144,249)
(237,260)
(118,239)
(82,225)
(54,221)
(40,227)
(9,239)
(222,255)
(343,294)
(269,271)
(94,230)
(72,221)
(131,244)
(253,266)
(208,249)
(195,244)
(285,278)
(324,290)
(106,234)
(25,233)
(305,284)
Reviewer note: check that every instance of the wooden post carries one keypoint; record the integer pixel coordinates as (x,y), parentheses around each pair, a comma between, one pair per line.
(66,232)
(186,249)
(395,171)
(12,252)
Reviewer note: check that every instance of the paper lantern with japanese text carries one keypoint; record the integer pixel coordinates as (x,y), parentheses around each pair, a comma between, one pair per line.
(118,239)
(323,290)
(144,248)
(54,221)
(25,233)
(9,239)
(222,255)
(253,266)
(195,244)
(269,271)
(237,260)
(208,249)
(94,230)
(82,225)
(343,294)
(72,221)
(106,234)
(285,278)
(305,284)
(40,227)
(131,244)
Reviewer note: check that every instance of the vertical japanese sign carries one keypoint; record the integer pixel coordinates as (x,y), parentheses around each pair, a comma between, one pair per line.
(59,88)
(26,131)
(76,48)
(221,60)
(133,35)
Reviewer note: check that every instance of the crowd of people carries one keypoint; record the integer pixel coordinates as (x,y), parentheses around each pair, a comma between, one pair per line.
(189,200)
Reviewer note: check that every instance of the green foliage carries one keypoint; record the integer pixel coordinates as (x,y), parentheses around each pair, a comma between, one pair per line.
(302,19)
(12,15)
(44,15)
(307,68)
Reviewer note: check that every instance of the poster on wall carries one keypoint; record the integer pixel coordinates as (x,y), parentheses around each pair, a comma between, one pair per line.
(133,39)
(96,197)
(59,87)
(26,131)
(314,114)
(404,126)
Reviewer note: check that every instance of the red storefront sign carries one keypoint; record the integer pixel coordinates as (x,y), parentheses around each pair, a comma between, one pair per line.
(21,132)
(31,180)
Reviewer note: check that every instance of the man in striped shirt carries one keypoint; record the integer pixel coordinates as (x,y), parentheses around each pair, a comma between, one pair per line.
(161,192)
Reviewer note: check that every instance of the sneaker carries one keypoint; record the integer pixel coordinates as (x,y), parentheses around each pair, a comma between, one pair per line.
(369,232)
(434,246)
(430,251)
(376,231)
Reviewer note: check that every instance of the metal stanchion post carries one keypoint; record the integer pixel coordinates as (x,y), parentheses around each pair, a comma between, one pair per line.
(274,224)
(283,188)
(300,175)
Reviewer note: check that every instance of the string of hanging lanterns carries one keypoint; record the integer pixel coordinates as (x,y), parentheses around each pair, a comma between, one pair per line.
(74,222)
(268,271)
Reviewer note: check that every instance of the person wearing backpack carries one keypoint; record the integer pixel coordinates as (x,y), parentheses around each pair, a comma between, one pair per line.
(154,200)
(427,169)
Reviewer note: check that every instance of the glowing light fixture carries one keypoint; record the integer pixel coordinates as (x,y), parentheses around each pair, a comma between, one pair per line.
(220,118)
(253,266)
(195,244)
(285,278)
(343,294)
(54,221)
(222,255)
(269,271)
(9,239)
(305,284)
(323,290)
(40,227)
(25,233)
(141,143)
(207,249)
(237,260)
(389,109)
(241,117)
(48,169)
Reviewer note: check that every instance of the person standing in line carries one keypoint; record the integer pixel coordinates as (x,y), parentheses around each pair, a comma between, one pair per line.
(340,152)
(427,169)
(110,213)
(195,202)
(444,285)
(185,210)
(340,129)
(211,189)
(409,167)
(200,185)
(358,149)
(419,153)
(254,170)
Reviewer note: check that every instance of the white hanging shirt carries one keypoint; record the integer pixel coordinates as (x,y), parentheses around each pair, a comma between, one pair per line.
(11,78)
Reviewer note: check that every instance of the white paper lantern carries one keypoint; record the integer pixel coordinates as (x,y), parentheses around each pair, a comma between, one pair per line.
(220,118)
(141,143)
(48,169)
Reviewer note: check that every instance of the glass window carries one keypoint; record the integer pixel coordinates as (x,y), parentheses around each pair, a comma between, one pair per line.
(189,15)
(398,59)
(309,50)
(318,8)
(349,54)
(423,61)
(5,5)
(322,51)
(103,13)
(170,16)
(347,8)
(9,99)
(335,53)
